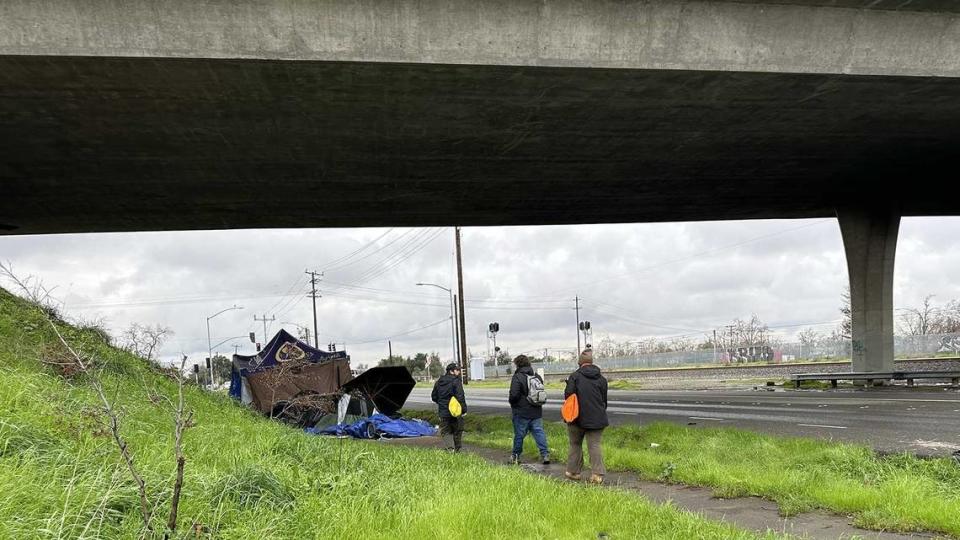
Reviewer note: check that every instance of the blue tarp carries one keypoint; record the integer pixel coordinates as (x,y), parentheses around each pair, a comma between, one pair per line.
(383,426)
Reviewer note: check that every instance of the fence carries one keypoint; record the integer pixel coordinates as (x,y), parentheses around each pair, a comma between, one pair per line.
(903,346)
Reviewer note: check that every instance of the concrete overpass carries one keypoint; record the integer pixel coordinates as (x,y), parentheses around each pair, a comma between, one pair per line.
(149,115)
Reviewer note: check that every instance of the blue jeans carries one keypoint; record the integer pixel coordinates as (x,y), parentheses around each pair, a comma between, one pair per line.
(520,428)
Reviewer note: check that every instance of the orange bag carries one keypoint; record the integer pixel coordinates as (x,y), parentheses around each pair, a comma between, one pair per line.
(571,409)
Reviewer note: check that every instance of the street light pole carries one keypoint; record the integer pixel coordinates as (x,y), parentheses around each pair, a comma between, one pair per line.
(453,325)
(209,346)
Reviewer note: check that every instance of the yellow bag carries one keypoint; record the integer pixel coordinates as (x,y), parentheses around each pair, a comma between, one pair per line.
(454,407)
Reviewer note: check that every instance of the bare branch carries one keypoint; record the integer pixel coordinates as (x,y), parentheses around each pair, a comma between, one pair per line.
(181,423)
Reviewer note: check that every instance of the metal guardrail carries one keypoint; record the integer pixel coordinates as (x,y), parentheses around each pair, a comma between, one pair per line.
(872,376)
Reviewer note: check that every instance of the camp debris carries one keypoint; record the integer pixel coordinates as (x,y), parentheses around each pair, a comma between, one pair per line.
(291,381)
(377,426)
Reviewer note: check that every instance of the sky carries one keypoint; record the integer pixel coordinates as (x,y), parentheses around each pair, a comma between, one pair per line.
(633,280)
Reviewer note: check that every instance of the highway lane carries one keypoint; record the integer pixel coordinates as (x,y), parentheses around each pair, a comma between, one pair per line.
(890,420)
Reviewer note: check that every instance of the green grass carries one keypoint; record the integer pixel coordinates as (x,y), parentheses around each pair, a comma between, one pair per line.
(248,477)
(898,492)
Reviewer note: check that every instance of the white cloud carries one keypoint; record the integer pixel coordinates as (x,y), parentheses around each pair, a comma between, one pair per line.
(635,280)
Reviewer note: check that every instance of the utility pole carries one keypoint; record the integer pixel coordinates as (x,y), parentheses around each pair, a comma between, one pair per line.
(390,348)
(264,320)
(313,295)
(463,331)
(577,300)
(714,346)
(456,330)
(236,350)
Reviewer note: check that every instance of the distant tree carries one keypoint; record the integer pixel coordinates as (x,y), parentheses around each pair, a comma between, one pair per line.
(846,320)
(919,321)
(810,337)
(221,368)
(503,358)
(415,364)
(434,366)
(948,321)
(145,340)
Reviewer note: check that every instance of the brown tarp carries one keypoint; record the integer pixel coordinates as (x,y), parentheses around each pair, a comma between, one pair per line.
(288,381)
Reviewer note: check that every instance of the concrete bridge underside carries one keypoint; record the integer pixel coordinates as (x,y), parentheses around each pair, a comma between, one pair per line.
(282,114)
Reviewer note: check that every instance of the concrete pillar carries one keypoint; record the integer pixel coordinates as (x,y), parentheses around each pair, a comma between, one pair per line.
(870,241)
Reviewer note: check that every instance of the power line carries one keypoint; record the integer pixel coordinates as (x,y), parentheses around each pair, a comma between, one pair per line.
(408,332)
(408,250)
(331,264)
(372,253)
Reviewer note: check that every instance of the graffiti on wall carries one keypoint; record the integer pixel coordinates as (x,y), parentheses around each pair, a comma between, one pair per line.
(949,344)
(750,354)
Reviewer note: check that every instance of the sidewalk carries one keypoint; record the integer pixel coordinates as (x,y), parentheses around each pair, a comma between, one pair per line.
(750,513)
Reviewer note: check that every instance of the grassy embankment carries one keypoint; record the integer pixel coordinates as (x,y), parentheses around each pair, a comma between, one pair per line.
(898,492)
(248,477)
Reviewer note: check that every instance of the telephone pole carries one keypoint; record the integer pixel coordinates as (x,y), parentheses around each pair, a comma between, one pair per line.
(577,304)
(313,294)
(264,320)
(463,330)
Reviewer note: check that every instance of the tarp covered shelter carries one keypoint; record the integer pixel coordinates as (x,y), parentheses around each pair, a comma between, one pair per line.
(285,369)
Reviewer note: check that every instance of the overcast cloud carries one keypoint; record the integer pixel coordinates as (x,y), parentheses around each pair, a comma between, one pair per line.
(635,281)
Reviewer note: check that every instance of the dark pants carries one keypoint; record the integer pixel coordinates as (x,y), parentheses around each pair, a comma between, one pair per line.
(575,459)
(521,426)
(451,429)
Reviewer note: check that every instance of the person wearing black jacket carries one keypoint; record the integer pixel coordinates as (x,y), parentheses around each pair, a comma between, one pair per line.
(527,416)
(448,386)
(591,390)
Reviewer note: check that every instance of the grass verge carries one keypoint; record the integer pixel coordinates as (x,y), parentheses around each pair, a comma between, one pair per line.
(895,492)
(248,477)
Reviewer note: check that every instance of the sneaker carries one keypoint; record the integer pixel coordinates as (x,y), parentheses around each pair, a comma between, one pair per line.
(514,459)
(545,459)
(596,479)
(572,476)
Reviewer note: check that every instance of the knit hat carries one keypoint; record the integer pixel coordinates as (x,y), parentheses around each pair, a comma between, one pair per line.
(586,357)
(452,366)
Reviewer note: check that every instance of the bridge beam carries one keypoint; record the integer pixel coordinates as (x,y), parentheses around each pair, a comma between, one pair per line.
(870,241)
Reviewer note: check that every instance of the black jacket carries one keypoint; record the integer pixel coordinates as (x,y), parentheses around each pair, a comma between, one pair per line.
(518,395)
(446,387)
(591,389)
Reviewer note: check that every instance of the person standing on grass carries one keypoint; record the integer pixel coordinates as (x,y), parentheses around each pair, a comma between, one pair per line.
(526,399)
(449,386)
(591,390)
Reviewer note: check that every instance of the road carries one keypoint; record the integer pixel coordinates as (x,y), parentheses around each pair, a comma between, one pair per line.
(925,422)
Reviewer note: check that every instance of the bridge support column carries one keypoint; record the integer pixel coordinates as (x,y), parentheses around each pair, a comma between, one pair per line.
(870,241)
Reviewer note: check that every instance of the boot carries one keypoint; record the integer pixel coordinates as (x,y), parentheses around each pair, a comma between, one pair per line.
(545,459)
(572,476)
(596,479)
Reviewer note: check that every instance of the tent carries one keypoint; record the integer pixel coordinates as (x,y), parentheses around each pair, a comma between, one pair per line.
(387,387)
(287,369)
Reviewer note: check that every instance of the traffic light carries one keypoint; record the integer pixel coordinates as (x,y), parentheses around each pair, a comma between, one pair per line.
(584,326)
(494,327)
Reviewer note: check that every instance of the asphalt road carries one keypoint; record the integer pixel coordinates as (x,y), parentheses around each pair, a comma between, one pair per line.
(925,422)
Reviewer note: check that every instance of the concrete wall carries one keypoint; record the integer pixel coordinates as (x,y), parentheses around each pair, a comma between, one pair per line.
(772,36)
